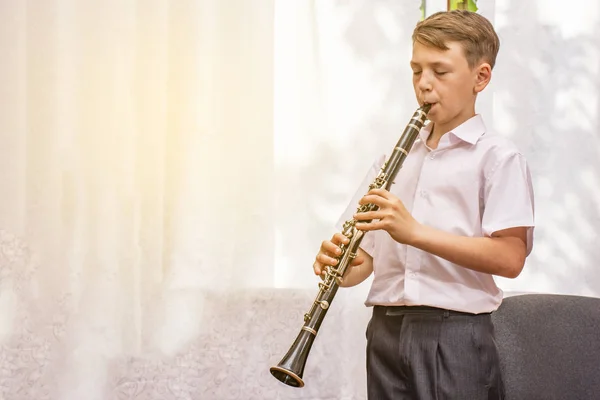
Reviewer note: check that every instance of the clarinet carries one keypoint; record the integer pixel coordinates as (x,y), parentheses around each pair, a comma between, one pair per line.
(291,367)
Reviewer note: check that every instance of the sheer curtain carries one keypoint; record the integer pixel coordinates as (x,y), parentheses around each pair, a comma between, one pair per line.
(168,170)
(546,99)
(136,159)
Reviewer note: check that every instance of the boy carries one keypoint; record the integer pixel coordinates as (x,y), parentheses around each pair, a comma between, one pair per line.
(461,210)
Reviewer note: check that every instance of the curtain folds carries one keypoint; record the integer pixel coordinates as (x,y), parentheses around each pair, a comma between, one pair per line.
(168,170)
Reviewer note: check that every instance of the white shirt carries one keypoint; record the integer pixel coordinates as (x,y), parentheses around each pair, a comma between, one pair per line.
(473,184)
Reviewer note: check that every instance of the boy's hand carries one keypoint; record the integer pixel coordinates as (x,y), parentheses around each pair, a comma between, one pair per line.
(392,216)
(330,249)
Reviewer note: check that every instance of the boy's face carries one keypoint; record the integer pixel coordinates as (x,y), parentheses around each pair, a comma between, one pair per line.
(444,79)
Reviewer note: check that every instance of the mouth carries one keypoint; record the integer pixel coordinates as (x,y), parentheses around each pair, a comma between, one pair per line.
(432,105)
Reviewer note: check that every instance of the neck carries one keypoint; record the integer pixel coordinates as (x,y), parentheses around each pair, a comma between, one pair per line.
(434,139)
(440,129)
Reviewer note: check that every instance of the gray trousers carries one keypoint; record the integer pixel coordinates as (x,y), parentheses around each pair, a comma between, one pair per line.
(423,353)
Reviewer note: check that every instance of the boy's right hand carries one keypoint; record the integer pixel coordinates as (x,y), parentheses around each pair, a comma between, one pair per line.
(330,249)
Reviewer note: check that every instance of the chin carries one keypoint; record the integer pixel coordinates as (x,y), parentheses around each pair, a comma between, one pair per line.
(433,115)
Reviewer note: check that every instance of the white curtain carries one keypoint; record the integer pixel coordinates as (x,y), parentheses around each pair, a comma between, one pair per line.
(169,168)
(136,158)
(547,99)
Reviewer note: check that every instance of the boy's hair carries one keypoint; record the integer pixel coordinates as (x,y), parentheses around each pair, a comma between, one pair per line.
(475,33)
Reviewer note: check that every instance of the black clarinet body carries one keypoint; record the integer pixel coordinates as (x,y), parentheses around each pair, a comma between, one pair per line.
(291,367)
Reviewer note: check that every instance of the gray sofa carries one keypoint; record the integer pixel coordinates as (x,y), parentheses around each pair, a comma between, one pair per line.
(549,346)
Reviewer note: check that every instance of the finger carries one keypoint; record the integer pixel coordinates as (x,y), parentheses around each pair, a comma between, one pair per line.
(380,192)
(320,270)
(371,226)
(364,216)
(317,268)
(325,260)
(373,199)
(330,249)
(340,238)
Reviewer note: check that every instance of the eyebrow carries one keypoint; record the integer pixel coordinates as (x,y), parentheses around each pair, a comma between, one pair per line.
(434,65)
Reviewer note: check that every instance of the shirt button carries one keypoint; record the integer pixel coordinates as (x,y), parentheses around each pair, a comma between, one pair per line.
(423,194)
(432,156)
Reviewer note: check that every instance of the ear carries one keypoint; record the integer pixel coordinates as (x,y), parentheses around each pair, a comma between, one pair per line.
(482,76)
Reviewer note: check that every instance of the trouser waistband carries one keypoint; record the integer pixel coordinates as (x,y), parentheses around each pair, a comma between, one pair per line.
(396,310)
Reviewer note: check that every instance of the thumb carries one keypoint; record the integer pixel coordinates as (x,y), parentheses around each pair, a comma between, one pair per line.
(357,261)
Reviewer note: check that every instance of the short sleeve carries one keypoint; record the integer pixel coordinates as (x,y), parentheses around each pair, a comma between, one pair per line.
(508,198)
(367,243)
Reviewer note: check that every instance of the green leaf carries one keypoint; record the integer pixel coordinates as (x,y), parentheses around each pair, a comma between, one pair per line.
(470,5)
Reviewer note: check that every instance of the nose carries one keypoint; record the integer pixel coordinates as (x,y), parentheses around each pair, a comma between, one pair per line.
(424,82)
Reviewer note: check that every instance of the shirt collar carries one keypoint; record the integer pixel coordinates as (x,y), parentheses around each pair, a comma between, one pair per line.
(469,131)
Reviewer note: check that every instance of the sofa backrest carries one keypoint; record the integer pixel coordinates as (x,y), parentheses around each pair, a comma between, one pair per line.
(549,346)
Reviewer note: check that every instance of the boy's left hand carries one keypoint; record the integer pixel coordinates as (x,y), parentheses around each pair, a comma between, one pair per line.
(392,216)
